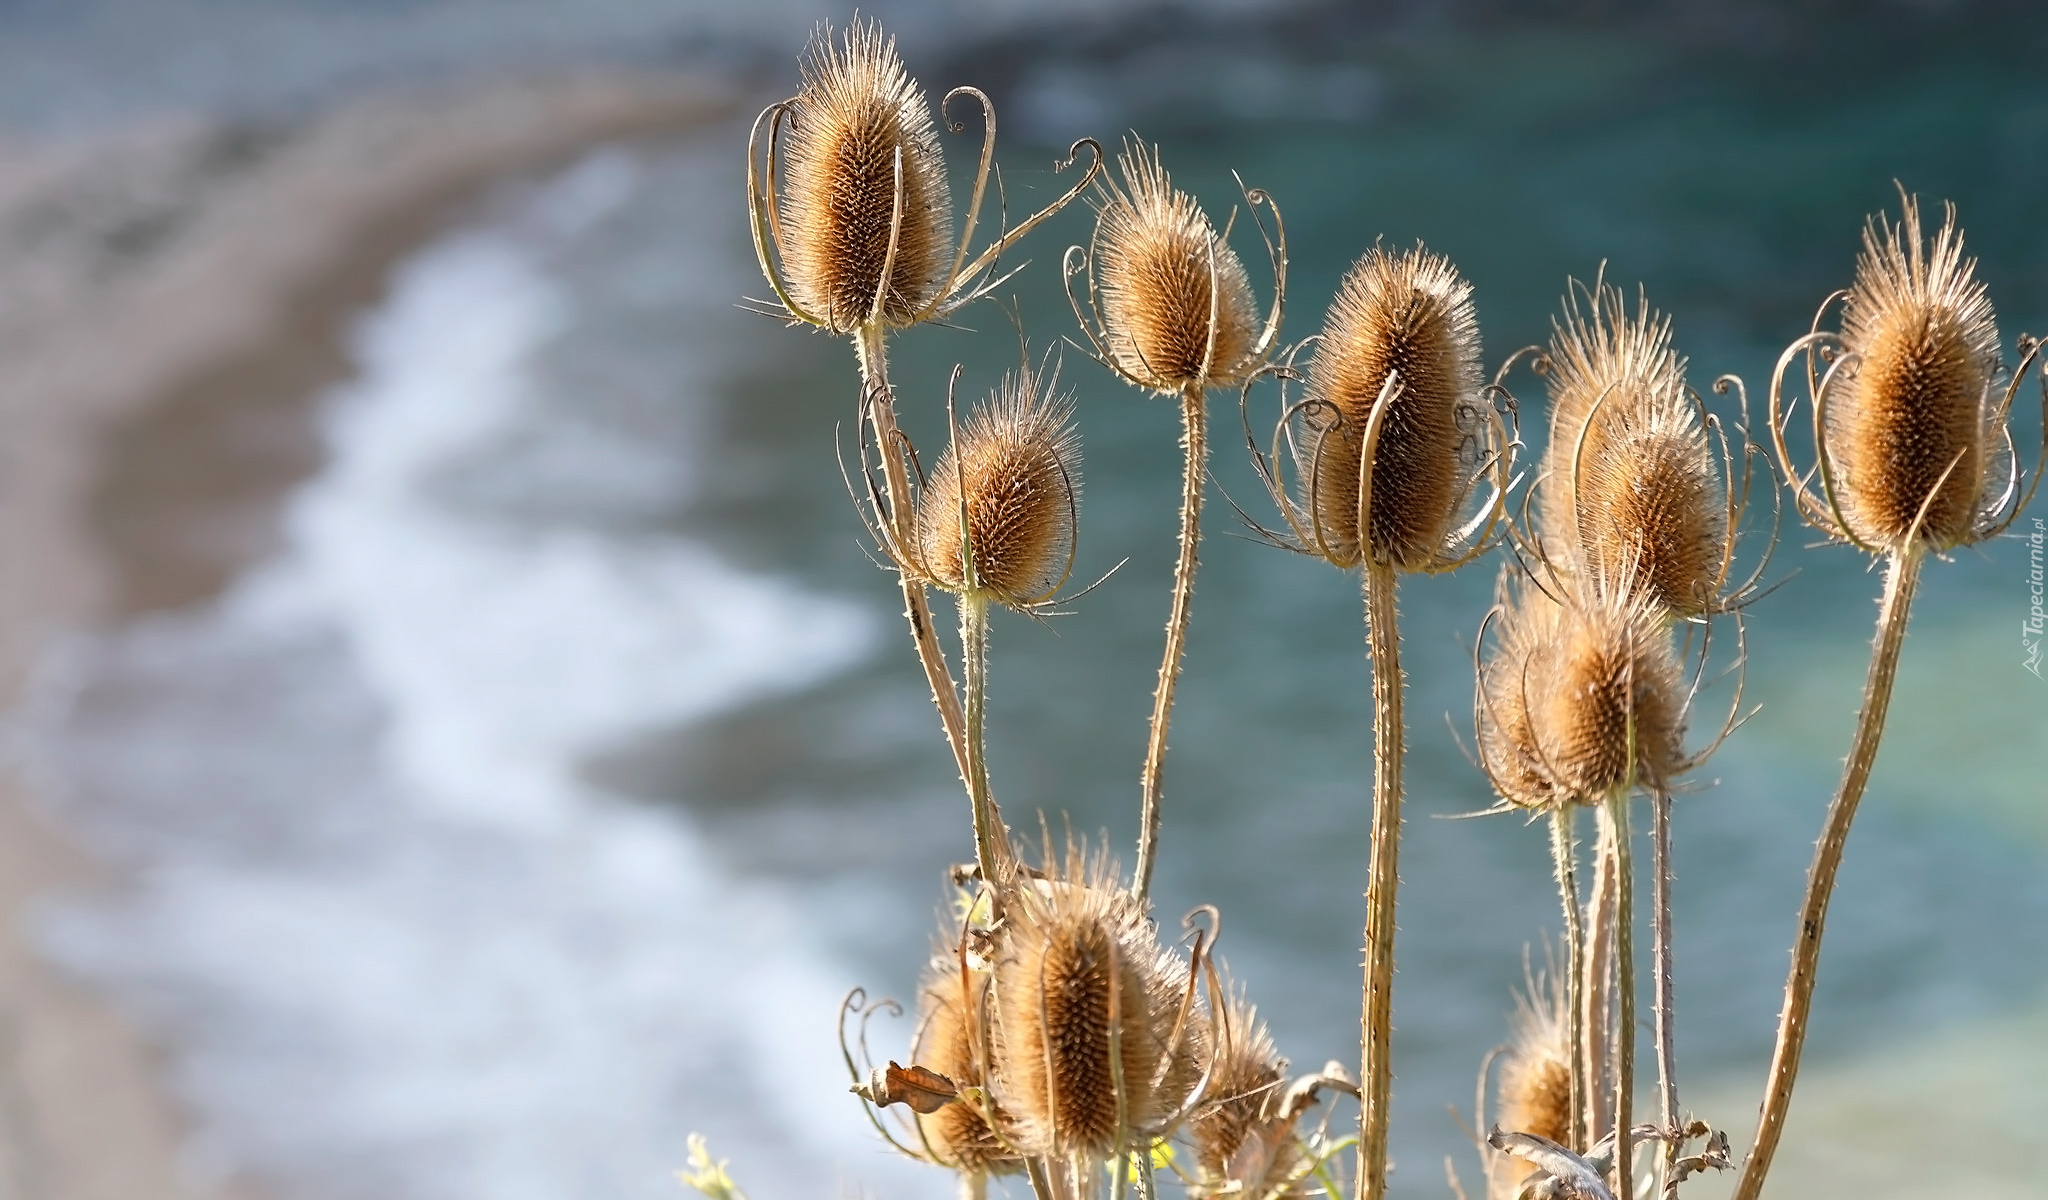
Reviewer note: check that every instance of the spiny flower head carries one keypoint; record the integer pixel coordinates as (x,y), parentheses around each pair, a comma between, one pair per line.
(1914,427)
(1096,1046)
(1405,317)
(1573,685)
(1176,306)
(1014,474)
(858,120)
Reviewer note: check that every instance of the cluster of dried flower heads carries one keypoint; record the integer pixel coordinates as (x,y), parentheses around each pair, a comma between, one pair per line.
(1058,1037)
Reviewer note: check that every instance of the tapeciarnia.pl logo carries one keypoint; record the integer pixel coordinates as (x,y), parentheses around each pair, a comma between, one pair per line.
(2037,620)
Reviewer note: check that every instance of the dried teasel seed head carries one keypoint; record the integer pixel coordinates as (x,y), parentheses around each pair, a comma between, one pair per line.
(954,1039)
(1175,303)
(1609,679)
(1652,497)
(1087,1007)
(1914,423)
(1534,1094)
(1408,314)
(1511,679)
(1629,474)
(857,113)
(1245,1084)
(1015,473)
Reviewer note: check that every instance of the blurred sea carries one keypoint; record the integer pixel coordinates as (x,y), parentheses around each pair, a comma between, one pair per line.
(535,805)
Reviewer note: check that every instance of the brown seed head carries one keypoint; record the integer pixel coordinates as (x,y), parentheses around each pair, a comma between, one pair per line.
(1408,314)
(856,114)
(1653,498)
(1244,1084)
(1609,675)
(1176,305)
(1535,1089)
(1016,474)
(1085,992)
(1915,417)
(952,1039)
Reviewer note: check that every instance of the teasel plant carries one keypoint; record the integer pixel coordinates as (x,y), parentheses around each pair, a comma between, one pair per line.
(1170,310)
(852,222)
(1913,455)
(1402,458)
(1639,507)
(1063,1041)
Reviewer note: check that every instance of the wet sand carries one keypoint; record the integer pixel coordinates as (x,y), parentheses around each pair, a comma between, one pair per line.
(171,300)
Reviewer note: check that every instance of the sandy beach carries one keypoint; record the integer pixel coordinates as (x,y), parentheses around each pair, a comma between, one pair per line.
(174,297)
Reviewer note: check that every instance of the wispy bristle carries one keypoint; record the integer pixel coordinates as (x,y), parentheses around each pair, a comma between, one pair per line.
(1408,314)
(1916,412)
(856,111)
(1080,963)
(953,1004)
(1158,257)
(1016,472)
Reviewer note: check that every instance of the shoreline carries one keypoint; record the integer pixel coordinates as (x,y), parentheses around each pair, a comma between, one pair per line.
(172,301)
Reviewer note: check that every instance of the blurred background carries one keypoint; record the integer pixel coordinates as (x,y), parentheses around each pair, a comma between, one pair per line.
(460,746)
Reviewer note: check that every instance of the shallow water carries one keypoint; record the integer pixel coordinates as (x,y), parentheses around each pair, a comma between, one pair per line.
(537,804)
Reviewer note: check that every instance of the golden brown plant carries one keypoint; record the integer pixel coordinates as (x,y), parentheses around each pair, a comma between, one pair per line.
(1171,305)
(1914,456)
(852,219)
(1170,310)
(1392,442)
(1097,1035)
(1014,473)
(851,222)
(864,187)
(1397,363)
(1910,425)
(1631,477)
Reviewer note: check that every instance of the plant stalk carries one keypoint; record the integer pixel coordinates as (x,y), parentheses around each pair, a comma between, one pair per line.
(974,658)
(1597,990)
(1376,1070)
(1564,852)
(1667,1068)
(869,345)
(1194,458)
(1902,577)
(1624,993)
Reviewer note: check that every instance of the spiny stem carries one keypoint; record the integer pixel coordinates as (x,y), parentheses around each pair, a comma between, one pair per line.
(869,345)
(1376,1070)
(1902,576)
(1596,994)
(974,656)
(1667,1067)
(1195,457)
(1624,993)
(1564,852)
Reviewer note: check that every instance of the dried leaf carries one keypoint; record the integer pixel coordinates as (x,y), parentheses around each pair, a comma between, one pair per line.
(924,1090)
